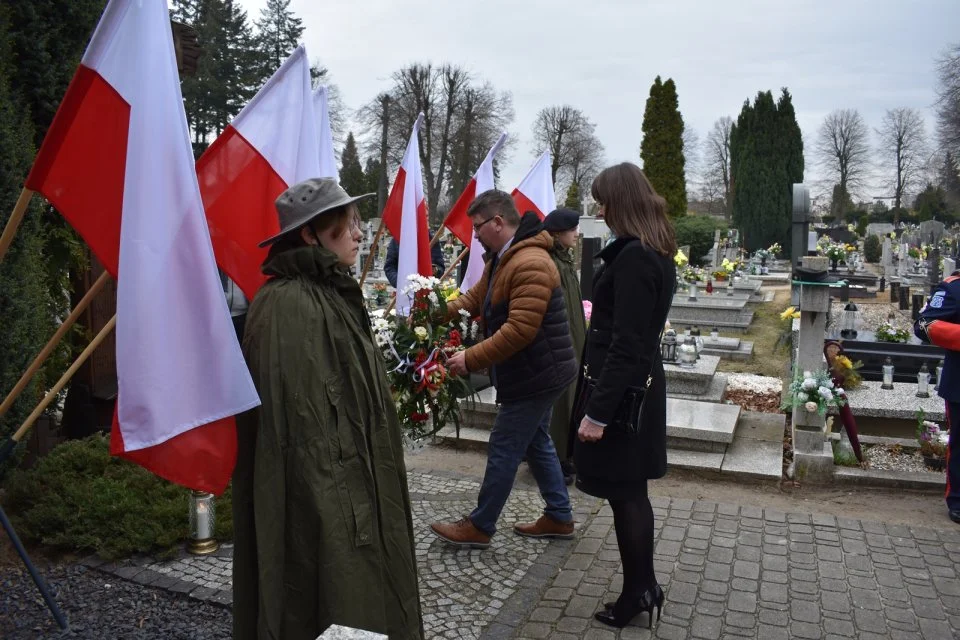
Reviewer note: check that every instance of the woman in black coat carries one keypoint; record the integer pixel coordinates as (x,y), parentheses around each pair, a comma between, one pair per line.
(632,292)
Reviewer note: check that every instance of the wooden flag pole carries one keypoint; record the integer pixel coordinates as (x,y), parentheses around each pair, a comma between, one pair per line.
(65,378)
(446,273)
(52,344)
(373,248)
(13,223)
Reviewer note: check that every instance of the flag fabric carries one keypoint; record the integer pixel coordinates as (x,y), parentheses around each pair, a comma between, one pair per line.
(405,216)
(461,225)
(117,163)
(328,159)
(535,192)
(270,146)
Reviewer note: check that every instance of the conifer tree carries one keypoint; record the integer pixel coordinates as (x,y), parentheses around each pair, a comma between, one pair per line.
(662,146)
(766,159)
(371,177)
(351,171)
(279,32)
(573,197)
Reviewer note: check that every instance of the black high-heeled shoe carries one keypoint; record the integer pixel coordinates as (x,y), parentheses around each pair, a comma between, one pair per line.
(621,617)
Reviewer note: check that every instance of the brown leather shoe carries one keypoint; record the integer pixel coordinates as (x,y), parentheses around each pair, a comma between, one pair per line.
(545,527)
(461,533)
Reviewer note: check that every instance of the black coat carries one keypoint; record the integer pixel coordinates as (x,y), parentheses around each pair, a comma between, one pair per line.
(632,293)
(393,257)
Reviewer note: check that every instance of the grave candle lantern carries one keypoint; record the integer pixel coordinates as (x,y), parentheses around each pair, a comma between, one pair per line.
(715,334)
(730,287)
(202,518)
(887,374)
(849,321)
(693,290)
(923,382)
(668,348)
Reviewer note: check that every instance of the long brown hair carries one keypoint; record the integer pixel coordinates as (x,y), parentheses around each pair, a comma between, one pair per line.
(633,208)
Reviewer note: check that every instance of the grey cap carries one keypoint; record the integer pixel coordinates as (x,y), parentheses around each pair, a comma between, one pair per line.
(306,200)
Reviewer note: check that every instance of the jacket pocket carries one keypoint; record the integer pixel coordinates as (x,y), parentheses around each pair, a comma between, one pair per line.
(349,471)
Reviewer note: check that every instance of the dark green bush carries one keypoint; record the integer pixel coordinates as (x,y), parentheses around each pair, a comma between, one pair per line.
(697,231)
(871,249)
(79,498)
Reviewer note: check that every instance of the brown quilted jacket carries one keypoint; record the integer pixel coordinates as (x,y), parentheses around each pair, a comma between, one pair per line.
(526,276)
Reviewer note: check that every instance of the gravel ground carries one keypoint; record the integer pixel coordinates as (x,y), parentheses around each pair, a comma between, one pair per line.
(883,458)
(872,314)
(750,382)
(100,606)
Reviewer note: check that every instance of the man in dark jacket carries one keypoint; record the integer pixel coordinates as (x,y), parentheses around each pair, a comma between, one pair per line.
(393,257)
(939,323)
(528,350)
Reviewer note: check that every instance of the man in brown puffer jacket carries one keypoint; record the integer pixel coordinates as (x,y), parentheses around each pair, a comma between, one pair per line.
(528,349)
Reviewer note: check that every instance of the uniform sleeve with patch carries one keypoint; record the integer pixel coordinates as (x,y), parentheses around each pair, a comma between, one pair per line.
(939,321)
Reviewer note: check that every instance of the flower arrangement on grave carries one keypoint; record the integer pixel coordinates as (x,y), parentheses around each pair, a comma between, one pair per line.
(680,259)
(380,292)
(917,253)
(727,268)
(774,249)
(813,392)
(449,290)
(888,332)
(834,251)
(416,350)
(691,274)
(931,438)
(848,371)
(761,254)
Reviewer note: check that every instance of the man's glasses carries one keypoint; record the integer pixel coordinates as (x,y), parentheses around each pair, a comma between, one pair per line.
(476,227)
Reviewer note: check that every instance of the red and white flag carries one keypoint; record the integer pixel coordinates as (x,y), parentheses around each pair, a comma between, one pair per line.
(405,216)
(328,159)
(460,224)
(535,192)
(271,145)
(117,164)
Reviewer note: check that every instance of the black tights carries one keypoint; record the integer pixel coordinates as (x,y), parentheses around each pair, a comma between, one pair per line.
(633,521)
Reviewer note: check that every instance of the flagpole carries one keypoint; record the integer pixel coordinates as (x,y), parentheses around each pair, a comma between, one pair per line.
(443,277)
(65,378)
(54,341)
(373,247)
(14,222)
(436,236)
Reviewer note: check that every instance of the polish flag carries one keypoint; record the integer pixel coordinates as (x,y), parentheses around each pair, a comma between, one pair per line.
(461,225)
(117,164)
(405,216)
(328,159)
(535,192)
(271,145)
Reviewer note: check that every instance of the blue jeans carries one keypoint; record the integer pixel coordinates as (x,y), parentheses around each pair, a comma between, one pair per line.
(522,426)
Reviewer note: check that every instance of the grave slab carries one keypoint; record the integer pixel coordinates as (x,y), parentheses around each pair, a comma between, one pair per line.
(755,459)
(694,460)
(899,403)
(715,393)
(701,420)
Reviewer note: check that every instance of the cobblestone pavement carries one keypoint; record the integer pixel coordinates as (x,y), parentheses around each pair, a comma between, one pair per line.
(729,572)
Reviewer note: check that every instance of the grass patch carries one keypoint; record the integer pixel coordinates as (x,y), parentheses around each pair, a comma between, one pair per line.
(844,458)
(769,359)
(79,498)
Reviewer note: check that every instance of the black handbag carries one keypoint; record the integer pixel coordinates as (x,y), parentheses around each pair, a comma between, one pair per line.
(626,420)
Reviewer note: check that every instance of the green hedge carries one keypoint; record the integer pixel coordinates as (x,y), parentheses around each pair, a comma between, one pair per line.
(872,251)
(79,498)
(698,232)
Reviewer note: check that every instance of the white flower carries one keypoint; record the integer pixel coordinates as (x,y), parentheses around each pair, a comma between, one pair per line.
(825,393)
(828,384)
(802,397)
(840,391)
(944,437)
(807,374)
(378,313)
(474,330)
(433,298)
(421,333)
(809,384)
(810,406)
(393,312)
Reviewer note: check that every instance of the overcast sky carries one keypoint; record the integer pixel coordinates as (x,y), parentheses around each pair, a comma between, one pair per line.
(602,56)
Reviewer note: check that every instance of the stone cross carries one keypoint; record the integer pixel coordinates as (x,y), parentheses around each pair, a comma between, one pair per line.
(715,252)
(812,453)
(886,258)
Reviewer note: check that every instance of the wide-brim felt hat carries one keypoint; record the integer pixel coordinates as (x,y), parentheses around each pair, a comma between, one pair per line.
(306,200)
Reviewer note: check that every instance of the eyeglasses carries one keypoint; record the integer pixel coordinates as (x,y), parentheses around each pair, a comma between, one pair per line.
(476,227)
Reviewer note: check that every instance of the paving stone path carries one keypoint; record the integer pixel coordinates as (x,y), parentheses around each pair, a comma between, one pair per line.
(729,572)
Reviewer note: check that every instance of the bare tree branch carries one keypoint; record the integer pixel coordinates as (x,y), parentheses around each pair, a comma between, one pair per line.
(904,147)
(948,100)
(843,149)
(716,155)
(576,153)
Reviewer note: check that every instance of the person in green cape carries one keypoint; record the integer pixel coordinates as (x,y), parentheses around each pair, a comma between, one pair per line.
(322,527)
(564,226)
